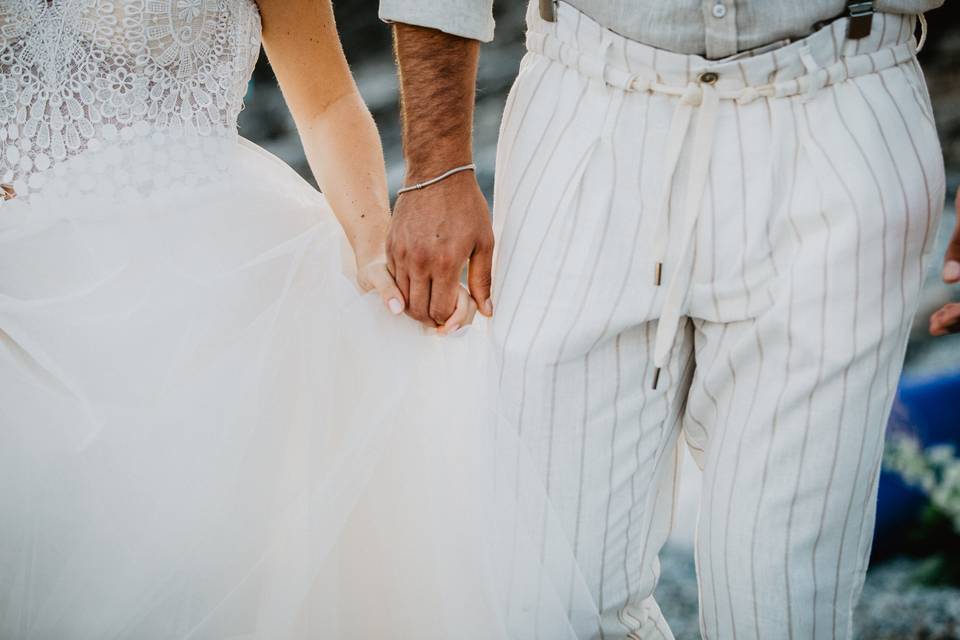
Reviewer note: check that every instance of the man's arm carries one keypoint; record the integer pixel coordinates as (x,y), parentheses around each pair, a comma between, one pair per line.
(437,229)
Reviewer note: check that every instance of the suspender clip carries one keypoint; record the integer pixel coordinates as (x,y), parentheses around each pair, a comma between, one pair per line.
(548,10)
(861,19)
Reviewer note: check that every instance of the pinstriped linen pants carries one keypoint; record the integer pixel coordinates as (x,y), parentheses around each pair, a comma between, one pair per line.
(802,274)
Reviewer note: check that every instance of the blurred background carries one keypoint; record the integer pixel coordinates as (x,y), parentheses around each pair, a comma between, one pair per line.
(913,587)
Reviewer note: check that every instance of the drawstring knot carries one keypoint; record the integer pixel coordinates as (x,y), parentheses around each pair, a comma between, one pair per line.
(748,95)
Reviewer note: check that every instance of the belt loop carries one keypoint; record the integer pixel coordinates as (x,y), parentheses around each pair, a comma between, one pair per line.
(605,43)
(816,76)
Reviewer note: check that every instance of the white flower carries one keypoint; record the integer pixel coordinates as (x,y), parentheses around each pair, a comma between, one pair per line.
(935,470)
(123,95)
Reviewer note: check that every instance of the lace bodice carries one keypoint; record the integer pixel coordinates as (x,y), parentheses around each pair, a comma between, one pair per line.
(80,75)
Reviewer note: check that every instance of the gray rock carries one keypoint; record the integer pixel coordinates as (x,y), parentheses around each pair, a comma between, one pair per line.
(892,607)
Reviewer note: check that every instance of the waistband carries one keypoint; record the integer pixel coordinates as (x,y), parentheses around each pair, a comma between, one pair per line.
(822,58)
(803,67)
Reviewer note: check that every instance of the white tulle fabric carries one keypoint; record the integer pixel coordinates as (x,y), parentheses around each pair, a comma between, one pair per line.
(205,430)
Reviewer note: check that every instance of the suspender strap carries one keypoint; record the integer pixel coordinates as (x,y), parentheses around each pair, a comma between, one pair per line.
(860,13)
(548,10)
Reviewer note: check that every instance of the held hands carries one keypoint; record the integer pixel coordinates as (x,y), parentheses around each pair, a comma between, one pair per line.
(947,319)
(434,232)
(373,275)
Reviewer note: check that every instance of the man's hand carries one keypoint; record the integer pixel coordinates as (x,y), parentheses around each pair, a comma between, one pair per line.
(947,319)
(435,231)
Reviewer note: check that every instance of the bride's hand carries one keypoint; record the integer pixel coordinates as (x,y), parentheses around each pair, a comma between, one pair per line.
(463,315)
(373,274)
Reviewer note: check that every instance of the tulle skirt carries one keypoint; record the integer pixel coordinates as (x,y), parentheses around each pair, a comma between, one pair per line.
(207,431)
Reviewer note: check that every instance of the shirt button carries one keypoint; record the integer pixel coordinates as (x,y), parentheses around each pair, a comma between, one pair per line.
(719,10)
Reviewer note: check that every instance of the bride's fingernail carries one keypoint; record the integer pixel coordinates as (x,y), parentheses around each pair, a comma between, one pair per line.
(396,307)
(487,307)
(951,271)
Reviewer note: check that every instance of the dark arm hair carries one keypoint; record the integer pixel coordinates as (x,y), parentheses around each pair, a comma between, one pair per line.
(438,74)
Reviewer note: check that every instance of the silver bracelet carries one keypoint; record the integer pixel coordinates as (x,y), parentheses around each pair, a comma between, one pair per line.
(422,185)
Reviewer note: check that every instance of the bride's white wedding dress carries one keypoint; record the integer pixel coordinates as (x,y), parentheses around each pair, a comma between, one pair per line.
(205,430)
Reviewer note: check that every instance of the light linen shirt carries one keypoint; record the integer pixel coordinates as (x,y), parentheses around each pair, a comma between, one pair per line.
(713,28)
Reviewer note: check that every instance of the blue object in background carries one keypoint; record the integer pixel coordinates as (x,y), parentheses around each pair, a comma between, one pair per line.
(933,405)
(932,408)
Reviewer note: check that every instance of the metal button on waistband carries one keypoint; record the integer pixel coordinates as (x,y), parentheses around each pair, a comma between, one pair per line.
(708,77)
(719,10)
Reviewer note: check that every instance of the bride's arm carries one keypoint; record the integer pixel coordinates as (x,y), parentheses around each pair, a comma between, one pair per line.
(337,130)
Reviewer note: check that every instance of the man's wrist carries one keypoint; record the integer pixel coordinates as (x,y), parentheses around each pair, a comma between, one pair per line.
(429,168)
(428,154)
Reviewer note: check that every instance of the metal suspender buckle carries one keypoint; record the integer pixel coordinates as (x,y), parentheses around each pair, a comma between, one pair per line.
(861,19)
(548,10)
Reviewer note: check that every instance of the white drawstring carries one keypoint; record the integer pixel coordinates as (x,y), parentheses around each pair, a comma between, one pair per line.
(923,32)
(678,281)
(676,135)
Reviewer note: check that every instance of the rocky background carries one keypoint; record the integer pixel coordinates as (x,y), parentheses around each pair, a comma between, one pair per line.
(895,605)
